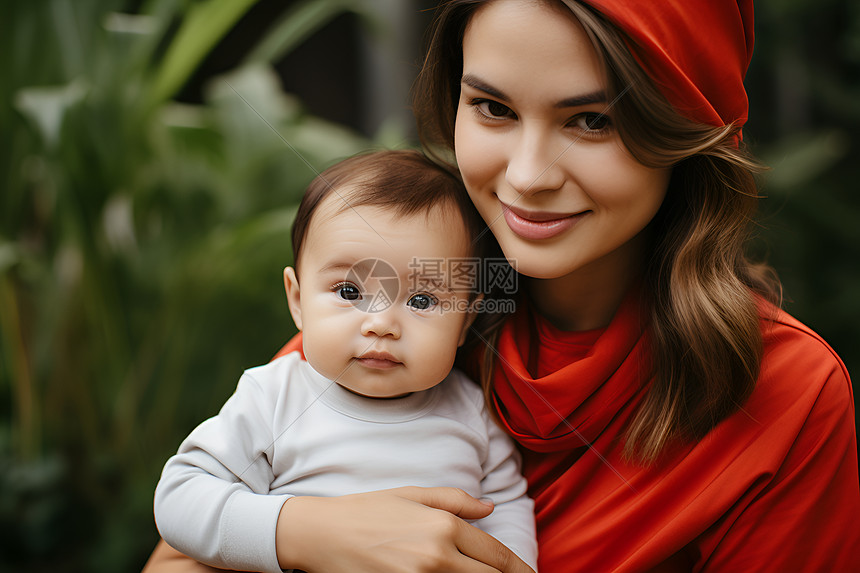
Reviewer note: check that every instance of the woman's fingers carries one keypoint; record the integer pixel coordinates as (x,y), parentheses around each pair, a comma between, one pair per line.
(479,547)
(485,549)
(450,499)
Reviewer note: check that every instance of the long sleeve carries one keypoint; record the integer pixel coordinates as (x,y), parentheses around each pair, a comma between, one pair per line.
(512,521)
(212,501)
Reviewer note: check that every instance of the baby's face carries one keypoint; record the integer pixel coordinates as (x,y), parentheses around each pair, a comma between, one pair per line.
(380,312)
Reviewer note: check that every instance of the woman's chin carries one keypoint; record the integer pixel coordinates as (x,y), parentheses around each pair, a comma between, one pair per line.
(535,269)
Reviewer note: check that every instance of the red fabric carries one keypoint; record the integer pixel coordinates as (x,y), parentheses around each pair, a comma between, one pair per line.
(538,414)
(294,344)
(772,488)
(696,51)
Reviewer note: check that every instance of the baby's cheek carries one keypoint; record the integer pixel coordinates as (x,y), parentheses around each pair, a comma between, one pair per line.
(323,351)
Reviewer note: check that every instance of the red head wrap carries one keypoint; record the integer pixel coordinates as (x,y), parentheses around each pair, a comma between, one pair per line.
(696,51)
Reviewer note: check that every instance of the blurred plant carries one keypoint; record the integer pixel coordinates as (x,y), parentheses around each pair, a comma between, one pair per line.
(141,246)
(804,85)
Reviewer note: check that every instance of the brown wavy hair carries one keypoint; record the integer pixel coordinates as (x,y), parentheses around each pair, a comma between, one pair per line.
(702,290)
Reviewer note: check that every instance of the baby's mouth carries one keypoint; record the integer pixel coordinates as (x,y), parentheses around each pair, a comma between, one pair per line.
(378,360)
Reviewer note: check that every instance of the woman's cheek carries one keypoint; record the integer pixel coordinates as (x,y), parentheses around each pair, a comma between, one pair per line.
(474,153)
(463,137)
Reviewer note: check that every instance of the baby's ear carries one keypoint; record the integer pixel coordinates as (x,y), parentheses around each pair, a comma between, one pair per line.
(294,297)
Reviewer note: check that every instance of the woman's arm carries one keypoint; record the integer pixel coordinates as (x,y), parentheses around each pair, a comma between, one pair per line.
(392,531)
(805,517)
(165,559)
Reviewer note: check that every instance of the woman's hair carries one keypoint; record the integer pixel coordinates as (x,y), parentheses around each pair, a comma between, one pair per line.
(702,291)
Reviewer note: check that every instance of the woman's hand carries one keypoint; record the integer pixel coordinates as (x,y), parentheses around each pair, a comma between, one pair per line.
(407,529)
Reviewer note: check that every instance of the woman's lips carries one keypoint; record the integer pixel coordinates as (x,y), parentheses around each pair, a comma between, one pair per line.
(538,225)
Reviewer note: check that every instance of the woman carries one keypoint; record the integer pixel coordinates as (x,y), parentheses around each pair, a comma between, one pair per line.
(670,416)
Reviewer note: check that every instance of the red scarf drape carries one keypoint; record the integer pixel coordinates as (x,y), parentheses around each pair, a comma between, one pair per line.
(556,390)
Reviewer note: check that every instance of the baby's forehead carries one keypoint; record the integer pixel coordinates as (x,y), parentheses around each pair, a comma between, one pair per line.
(349,199)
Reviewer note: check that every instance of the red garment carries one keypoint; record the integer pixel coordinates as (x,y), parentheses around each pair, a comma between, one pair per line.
(696,51)
(294,344)
(771,488)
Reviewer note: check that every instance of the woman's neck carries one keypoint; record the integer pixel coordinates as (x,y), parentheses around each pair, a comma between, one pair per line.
(587,298)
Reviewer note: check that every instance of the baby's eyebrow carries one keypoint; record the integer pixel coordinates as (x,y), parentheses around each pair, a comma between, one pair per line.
(431,281)
(434,284)
(337,266)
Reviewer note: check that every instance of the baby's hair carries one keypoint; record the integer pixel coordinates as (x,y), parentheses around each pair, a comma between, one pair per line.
(403,181)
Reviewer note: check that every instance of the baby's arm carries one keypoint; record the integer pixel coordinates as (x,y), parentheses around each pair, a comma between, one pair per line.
(212,502)
(512,521)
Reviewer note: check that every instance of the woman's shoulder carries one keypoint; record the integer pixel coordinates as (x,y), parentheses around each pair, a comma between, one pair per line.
(801,376)
(798,423)
(793,349)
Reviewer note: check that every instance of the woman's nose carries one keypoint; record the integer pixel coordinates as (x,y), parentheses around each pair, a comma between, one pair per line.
(533,164)
(381,323)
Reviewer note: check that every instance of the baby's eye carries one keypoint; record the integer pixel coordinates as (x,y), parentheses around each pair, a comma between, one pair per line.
(422,301)
(347,291)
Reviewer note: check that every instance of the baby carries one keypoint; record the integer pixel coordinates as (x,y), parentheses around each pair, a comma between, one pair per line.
(373,403)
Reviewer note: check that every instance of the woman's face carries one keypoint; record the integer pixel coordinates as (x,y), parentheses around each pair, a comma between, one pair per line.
(538,150)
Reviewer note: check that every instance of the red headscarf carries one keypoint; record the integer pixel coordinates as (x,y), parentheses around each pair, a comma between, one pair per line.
(696,51)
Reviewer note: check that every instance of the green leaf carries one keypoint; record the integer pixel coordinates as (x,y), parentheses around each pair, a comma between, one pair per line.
(800,159)
(295,26)
(47,106)
(9,256)
(206,23)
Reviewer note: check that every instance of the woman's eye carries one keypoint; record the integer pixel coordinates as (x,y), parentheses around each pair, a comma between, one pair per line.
(347,291)
(422,301)
(592,121)
(493,109)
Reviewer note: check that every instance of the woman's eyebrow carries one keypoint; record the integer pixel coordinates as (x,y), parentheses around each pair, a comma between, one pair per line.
(477,83)
(584,99)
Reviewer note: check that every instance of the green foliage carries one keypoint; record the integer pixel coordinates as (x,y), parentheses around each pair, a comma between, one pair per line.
(804,86)
(141,249)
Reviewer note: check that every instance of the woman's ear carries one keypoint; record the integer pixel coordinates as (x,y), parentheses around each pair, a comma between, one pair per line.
(471,315)
(294,297)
